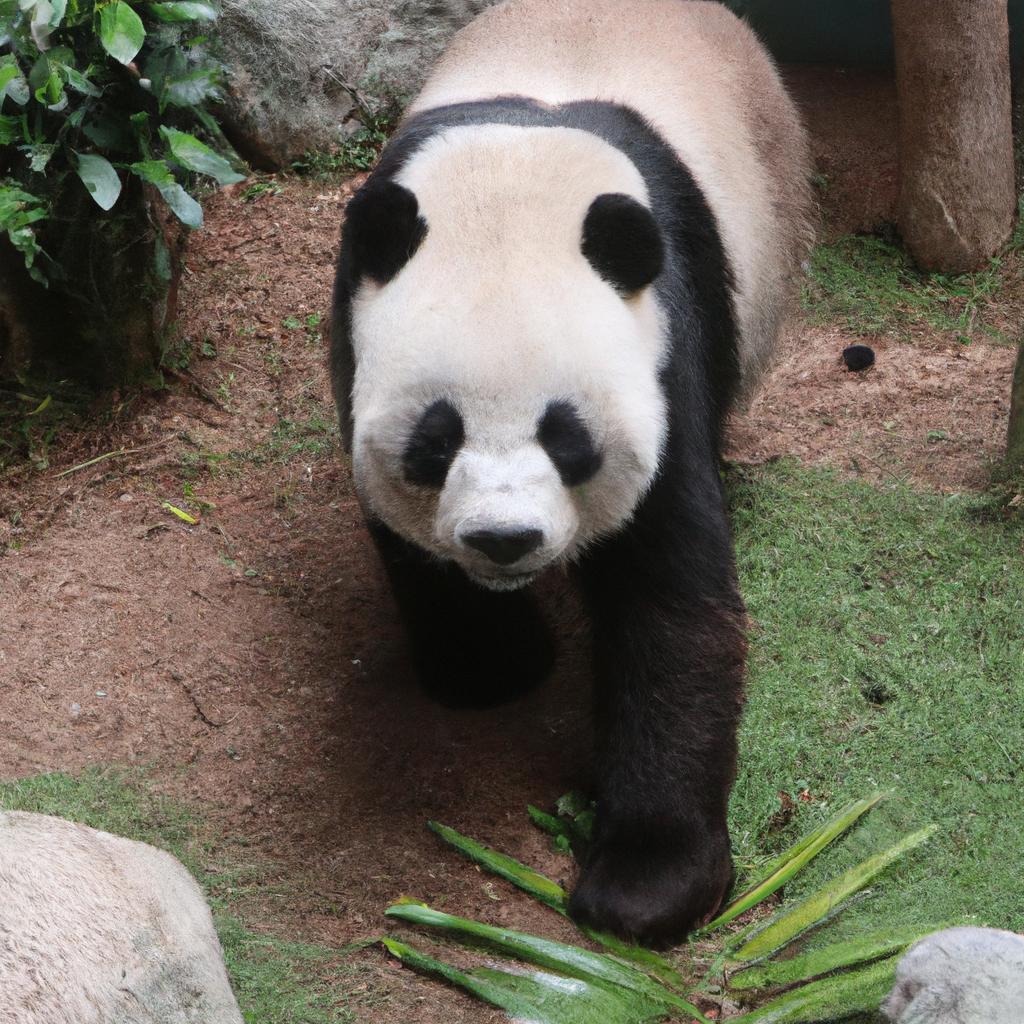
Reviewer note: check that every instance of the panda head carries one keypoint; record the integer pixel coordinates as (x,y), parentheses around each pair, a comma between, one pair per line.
(506,408)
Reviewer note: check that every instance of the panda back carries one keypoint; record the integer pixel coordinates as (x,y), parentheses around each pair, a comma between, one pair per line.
(702,80)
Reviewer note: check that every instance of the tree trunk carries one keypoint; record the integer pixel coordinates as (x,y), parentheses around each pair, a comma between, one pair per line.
(1015,435)
(102,322)
(957,196)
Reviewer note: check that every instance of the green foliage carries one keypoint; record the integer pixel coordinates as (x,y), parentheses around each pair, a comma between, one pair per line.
(94,90)
(637,986)
(872,287)
(885,654)
(357,153)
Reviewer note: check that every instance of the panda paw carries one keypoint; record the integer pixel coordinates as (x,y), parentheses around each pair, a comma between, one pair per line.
(653,892)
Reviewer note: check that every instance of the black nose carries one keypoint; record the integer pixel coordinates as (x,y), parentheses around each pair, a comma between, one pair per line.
(505,546)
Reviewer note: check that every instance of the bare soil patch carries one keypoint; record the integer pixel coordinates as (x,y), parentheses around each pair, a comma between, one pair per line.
(931,412)
(852,119)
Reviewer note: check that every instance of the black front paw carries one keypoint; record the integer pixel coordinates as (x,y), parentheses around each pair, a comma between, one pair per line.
(651,889)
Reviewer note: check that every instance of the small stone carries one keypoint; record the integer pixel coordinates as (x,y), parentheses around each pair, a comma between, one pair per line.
(960,974)
(76,710)
(858,357)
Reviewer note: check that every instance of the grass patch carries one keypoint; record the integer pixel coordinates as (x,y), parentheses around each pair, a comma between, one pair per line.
(886,655)
(313,436)
(354,154)
(275,981)
(872,287)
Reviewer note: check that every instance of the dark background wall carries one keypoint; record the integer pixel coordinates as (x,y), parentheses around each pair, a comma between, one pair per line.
(839,31)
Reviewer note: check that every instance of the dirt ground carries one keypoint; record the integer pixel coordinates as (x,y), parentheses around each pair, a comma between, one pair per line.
(253,660)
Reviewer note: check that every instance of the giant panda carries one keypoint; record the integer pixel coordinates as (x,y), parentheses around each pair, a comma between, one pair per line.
(569,263)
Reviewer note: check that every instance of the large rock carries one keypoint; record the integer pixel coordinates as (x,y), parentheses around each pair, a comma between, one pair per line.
(960,976)
(300,68)
(95,929)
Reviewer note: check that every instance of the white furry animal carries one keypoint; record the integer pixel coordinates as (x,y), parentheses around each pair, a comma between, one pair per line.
(572,258)
(960,976)
(96,929)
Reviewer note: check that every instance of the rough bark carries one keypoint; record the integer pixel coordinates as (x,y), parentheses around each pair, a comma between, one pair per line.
(957,196)
(1015,435)
(103,322)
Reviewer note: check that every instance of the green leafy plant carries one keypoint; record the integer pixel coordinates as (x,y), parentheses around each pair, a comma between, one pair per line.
(358,152)
(99,90)
(626,984)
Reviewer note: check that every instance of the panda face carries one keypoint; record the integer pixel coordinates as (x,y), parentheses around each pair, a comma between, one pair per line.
(506,404)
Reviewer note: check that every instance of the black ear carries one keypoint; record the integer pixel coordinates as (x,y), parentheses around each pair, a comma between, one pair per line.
(622,242)
(384,229)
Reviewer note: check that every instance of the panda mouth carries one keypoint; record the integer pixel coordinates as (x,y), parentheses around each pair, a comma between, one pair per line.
(505,580)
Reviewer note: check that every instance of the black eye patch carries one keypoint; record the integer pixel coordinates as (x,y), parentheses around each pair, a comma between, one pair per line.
(433,445)
(564,436)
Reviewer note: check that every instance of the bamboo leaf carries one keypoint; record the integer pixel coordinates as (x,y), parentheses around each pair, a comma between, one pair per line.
(830,999)
(558,829)
(594,968)
(816,962)
(536,996)
(783,868)
(184,516)
(793,921)
(549,893)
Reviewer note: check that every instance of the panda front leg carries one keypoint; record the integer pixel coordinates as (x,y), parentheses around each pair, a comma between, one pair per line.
(670,650)
(471,647)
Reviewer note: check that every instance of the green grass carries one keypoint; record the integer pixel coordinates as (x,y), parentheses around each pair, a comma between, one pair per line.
(887,654)
(276,981)
(871,287)
(356,153)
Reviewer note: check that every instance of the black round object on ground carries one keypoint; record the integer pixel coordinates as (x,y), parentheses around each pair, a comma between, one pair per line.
(858,357)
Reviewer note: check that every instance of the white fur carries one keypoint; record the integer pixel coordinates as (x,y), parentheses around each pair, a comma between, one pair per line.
(500,312)
(700,76)
(95,929)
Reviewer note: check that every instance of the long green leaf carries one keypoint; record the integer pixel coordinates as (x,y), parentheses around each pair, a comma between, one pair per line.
(574,961)
(558,829)
(536,996)
(793,921)
(783,868)
(837,956)
(197,156)
(100,178)
(549,893)
(830,999)
(121,31)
